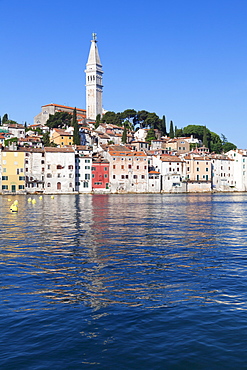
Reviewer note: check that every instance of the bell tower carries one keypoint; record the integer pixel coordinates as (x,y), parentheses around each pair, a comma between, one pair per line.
(94,87)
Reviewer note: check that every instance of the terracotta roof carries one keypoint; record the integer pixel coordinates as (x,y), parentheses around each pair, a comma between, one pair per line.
(170,158)
(60,150)
(64,106)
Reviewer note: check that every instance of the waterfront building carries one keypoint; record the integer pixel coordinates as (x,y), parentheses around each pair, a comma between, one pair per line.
(239,157)
(94,86)
(198,173)
(154,181)
(100,175)
(12,171)
(34,170)
(128,170)
(83,169)
(222,173)
(172,171)
(60,170)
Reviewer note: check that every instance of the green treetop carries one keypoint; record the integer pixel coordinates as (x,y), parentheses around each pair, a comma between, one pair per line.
(76,135)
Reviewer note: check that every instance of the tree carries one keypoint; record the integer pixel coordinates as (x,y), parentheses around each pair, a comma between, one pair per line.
(150,135)
(124,136)
(76,135)
(46,139)
(205,139)
(59,119)
(97,121)
(5,118)
(112,118)
(0,120)
(228,146)
(171,132)
(141,117)
(153,121)
(163,126)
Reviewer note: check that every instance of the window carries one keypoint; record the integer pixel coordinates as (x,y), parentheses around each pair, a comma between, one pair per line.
(21,178)
(93,168)
(92,175)
(59,186)
(5,169)
(59,167)
(122,176)
(42,162)
(4,187)
(105,168)
(206,169)
(87,167)
(114,176)
(122,167)
(48,184)
(135,176)
(129,166)
(114,166)
(87,160)
(49,167)
(59,175)
(145,167)
(198,169)
(70,175)
(49,175)
(85,184)
(126,176)
(137,167)
(143,176)
(105,175)
(70,185)
(21,187)
(70,167)
(5,178)
(43,170)
(87,176)
(197,177)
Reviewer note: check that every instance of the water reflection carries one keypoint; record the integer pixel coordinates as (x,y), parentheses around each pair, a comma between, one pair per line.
(135,250)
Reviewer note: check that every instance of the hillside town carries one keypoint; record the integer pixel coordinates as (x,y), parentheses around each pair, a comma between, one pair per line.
(108,158)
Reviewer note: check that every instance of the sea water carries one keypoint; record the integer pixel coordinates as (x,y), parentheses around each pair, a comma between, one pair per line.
(124,281)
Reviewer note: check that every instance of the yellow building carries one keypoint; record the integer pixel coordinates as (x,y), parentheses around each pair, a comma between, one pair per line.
(12,164)
(61,137)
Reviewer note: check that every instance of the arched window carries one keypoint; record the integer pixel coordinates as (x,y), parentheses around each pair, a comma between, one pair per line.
(59,167)
(48,184)
(59,186)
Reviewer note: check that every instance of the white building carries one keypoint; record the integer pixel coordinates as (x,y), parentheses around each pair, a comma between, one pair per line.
(172,170)
(222,173)
(94,87)
(83,169)
(34,170)
(239,157)
(60,170)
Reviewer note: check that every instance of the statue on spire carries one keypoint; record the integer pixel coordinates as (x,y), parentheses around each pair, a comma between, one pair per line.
(94,36)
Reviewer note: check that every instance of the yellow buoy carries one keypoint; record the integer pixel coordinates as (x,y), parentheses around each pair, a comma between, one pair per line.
(16,202)
(9,200)
(14,208)
(52,196)
(40,197)
(29,200)
(33,201)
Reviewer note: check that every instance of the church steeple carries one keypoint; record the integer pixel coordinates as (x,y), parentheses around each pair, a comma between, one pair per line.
(94,87)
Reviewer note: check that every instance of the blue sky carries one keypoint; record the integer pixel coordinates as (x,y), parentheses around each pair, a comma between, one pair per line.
(186,60)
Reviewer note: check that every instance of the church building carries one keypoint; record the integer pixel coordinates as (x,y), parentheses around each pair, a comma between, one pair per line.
(94,91)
